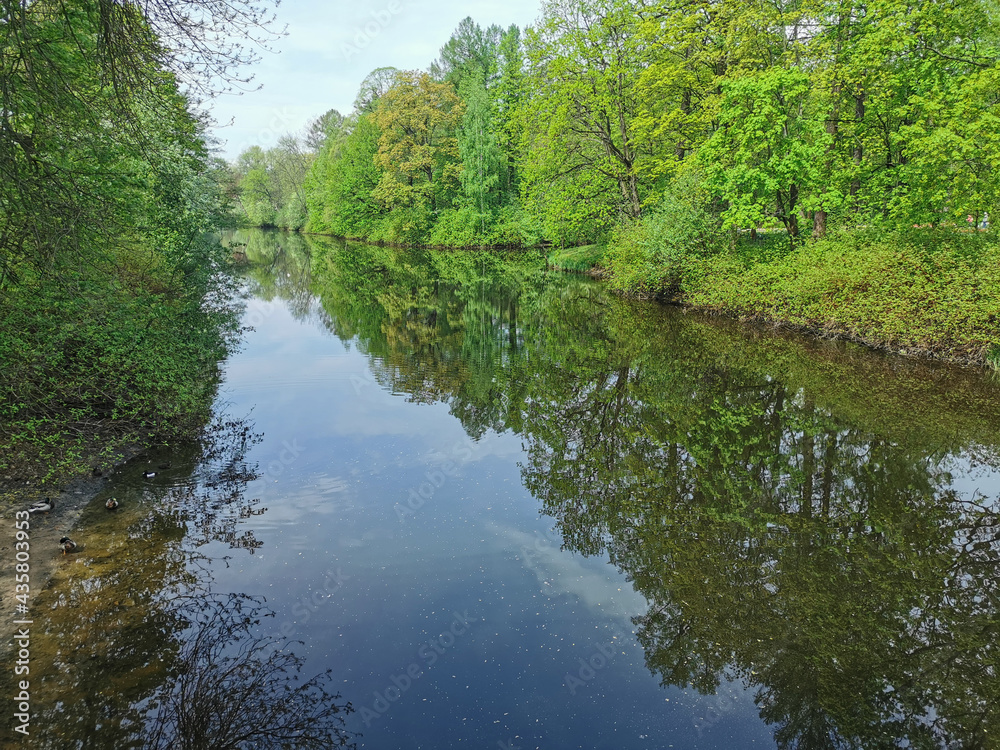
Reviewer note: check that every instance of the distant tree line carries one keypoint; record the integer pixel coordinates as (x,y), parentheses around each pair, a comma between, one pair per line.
(606,114)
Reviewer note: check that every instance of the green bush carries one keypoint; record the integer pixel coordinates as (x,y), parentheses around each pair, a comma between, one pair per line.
(405,225)
(650,257)
(460,227)
(582,258)
(468,227)
(93,368)
(930,290)
(292,215)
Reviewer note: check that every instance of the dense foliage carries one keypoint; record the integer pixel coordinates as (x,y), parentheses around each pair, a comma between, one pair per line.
(797,113)
(113,310)
(672,133)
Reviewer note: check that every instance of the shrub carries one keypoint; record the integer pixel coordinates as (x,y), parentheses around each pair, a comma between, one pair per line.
(650,257)
(405,225)
(468,227)
(933,290)
(459,227)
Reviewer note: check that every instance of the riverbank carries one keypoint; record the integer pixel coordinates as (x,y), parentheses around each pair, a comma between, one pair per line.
(101,364)
(44,532)
(930,293)
(585,259)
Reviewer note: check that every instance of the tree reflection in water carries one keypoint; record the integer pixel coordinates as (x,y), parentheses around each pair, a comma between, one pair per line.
(793,511)
(131,650)
(232,689)
(822,553)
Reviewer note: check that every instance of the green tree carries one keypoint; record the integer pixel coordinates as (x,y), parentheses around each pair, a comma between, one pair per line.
(271,183)
(765,154)
(582,162)
(257,193)
(373,87)
(471,51)
(113,312)
(341,183)
(508,98)
(483,164)
(418,151)
(328,125)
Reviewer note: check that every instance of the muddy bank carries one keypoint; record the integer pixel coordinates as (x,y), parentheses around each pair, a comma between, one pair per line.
(44,532)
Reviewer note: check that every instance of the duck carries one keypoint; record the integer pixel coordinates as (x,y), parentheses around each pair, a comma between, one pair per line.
(68,545)
(111,504)
(148,474)
(42,506)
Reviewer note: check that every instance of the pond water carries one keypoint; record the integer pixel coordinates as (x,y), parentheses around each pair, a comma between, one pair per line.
(508,509)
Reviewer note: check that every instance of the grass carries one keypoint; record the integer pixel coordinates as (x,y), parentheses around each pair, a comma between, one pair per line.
(993,357)
(583,259)
(933,292)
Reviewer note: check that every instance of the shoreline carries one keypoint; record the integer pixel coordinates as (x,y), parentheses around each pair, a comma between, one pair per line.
(44,532)
(828,334)
(399,245)
(983,362)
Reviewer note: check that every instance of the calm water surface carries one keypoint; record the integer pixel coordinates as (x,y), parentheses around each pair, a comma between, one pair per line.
(507,509)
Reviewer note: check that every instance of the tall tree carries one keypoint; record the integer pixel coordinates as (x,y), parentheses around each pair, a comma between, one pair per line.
(583,160)
(113,313)
(271,183)
(471,50)
(327,125)
(508,98)
(418,151)
(765,155)
(375,85)
(341,182)
(483,164)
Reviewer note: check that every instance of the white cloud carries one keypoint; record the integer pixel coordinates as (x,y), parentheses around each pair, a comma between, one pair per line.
(315,70)
(593,582)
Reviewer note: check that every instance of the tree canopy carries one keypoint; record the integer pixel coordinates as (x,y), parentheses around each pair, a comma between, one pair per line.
(798,114)
(112,312)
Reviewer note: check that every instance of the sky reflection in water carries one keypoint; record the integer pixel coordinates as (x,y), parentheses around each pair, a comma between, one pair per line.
(508,509)
(385,519)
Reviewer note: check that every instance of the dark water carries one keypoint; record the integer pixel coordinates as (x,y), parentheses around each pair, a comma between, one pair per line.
(508,509)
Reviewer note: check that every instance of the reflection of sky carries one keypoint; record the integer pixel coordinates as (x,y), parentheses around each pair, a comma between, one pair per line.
(343,462)
(971,479)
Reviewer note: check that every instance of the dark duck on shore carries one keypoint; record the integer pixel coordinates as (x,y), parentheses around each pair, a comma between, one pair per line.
(68,545)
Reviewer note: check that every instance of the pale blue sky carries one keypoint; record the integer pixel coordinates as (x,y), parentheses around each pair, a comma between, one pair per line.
(321,63)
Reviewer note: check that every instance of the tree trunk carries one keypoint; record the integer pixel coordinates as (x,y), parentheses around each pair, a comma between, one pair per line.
(808,461)
(832,129)
(819,223)
(859,116)
(679,151)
